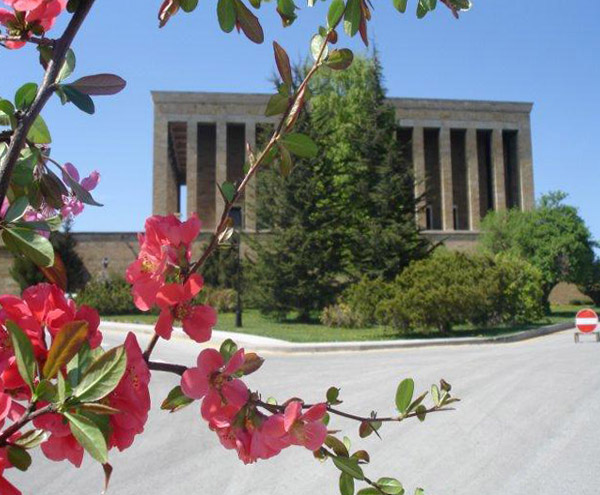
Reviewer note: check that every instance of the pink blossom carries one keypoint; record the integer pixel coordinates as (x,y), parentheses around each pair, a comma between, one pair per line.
(212,373)
(175,303)
(71,205)
(131,397)
(305,429)
(38,15)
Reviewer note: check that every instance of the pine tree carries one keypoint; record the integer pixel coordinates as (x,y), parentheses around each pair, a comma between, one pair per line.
(345,214)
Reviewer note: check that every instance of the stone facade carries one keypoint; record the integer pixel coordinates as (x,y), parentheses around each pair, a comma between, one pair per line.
(469,157)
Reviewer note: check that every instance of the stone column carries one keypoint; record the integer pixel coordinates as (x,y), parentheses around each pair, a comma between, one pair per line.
(447,198)
(250,193)
(164,184)
(221,168)
(525,167)
(498,168)
(418,156)
(473,179)
(191,175)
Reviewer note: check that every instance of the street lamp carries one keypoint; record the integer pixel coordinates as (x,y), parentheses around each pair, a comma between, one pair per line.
(236,216)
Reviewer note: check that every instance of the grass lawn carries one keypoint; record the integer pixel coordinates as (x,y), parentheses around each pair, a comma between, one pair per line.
(292,331)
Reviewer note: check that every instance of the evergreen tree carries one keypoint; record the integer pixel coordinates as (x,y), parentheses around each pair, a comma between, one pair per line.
(347,213)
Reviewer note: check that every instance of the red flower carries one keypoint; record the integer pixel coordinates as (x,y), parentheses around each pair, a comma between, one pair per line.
(34,16)
(175,303)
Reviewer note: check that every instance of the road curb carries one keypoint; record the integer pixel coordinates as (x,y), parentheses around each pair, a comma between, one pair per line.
(265,344)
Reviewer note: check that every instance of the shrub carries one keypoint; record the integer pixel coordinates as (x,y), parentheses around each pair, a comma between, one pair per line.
(591,286)
(517,295)
(108,297)
(223,300)
(340,316)
(453,288)
(363,297)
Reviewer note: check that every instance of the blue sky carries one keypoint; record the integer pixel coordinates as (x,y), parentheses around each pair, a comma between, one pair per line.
(540,51)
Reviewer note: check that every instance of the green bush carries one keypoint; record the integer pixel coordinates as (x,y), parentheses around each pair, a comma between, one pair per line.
(591,286)
(108,297)
(363,297)
(452,288)
(340,316)
(223,300)
(516,294)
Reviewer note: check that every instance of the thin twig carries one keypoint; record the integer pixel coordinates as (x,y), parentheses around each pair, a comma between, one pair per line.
(26,418)
(214,241)
(19,137)
(33,39)
(179,370)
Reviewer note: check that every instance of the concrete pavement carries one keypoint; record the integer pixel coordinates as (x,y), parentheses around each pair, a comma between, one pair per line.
(527,425)
(266,344)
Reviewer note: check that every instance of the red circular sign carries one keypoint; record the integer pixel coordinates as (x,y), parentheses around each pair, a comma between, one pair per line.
(586,320)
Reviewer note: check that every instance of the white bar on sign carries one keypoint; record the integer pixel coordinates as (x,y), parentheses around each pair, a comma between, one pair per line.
(586,321)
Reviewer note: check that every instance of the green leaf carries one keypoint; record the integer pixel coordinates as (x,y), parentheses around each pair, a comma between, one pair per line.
(435,394)
(16,209)
(88,435)
(29,243)
(7,114)
(188,5)
(285,161)
(39,133)
(337,446)
(277,105)
(335,13)
(349,466)
(390,486)
(421,412)
(176,400)
(346,484)
(226,15)
(332,395)
(31,439)
(249,23)
(65,345)
(419,491)
(400,5)
(369,491)
(98,408)
(79,99)
(68,66)
(25,95)
(228,348)
(46,391)
(300,144)
(340,59)
(283,64)
(316,45)
(19,457)
(404,394)
(228,191)
(352,17)
(103,375)
(23,350)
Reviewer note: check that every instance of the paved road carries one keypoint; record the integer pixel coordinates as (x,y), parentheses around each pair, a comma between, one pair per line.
(528,425)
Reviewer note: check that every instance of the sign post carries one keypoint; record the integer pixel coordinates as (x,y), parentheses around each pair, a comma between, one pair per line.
(586,322)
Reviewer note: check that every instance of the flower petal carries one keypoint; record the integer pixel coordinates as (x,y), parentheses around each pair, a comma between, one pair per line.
(194,383)
(164,324)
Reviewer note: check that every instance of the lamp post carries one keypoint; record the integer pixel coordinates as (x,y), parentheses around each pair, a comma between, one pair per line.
(236,215)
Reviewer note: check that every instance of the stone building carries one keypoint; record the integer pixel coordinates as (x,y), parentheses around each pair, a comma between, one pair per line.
(469,157)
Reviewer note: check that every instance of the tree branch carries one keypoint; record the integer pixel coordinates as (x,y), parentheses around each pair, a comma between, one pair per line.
(26,418)
(19,137)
